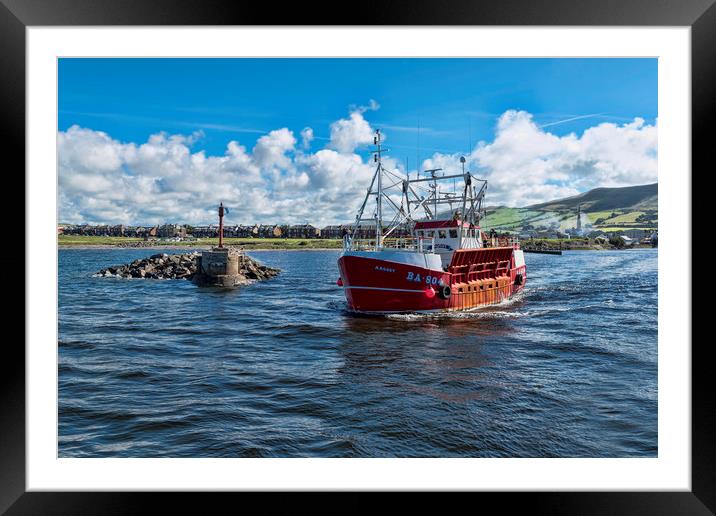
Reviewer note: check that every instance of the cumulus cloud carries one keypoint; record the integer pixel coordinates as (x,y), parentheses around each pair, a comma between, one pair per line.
(526,164)
(165,179)
(103,180)
(347,134)
(270,150)
(306,137)
(329,169)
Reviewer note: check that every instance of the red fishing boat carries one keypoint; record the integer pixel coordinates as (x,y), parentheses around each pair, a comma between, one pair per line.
(419,258)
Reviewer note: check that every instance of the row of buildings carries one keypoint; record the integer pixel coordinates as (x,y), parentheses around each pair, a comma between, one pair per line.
(630,237)
(230,231)
(306,231)
(634,234)
(120,230)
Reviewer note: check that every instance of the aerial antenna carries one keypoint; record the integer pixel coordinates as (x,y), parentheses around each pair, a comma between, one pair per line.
(417,155)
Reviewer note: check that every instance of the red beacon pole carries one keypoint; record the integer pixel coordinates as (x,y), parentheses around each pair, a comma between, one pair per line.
(221,225)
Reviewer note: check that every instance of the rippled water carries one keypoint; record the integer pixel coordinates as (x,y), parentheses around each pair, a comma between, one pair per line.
(153,368)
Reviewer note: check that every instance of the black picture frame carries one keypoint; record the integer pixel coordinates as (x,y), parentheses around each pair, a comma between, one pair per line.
(17,15)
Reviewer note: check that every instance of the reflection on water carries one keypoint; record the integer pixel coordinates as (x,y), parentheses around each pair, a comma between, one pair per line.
(281,368)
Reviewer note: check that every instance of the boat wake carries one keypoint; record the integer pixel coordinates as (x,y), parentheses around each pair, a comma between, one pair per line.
(496,311)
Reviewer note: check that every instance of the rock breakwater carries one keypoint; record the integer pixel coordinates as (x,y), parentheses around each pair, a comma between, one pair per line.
(182,266)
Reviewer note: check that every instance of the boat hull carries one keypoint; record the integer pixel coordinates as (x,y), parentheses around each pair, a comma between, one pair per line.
(475,277)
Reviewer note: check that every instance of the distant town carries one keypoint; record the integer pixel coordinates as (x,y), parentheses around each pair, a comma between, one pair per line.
(301,231)
(177,232)
(599,215)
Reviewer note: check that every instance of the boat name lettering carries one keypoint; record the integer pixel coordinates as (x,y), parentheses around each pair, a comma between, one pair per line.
(412,276)
(384,269)
(429,280)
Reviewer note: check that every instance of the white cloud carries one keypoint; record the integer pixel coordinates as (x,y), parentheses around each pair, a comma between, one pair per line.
(157,181)
(103,180)
(106,181)
(306,137)
(526,164)
(270,150)
(331,170)
(90,151)
(349,133)
(372,106)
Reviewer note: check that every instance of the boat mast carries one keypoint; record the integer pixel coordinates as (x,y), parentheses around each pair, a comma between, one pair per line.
(461,220)
(369,193)
(430,203)
(379,200)
(434,186)
(435,192)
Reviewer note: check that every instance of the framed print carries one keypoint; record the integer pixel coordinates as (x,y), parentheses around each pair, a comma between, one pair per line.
(420,252)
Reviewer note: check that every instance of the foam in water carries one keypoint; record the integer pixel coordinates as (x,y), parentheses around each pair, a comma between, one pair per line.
(479,312)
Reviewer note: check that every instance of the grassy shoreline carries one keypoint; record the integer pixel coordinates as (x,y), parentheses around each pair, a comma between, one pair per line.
(278,244)
(249,244)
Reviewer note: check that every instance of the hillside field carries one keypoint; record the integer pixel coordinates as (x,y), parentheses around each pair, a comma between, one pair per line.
(604,209)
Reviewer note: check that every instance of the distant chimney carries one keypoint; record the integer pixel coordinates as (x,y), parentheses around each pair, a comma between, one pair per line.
(579,217)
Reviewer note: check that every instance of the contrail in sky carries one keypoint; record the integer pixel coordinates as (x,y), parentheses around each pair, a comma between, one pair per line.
(573,118)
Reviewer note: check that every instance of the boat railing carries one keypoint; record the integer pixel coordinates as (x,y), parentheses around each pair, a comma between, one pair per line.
(420,245)
(513,242)
(479,271)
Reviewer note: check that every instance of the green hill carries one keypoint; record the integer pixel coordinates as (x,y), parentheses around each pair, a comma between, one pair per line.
(602,199)
(606,209)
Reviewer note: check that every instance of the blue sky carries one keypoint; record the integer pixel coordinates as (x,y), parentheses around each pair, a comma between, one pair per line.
(456,103)
(451,99)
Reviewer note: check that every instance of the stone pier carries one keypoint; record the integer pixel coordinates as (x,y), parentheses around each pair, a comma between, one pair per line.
(221,267)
